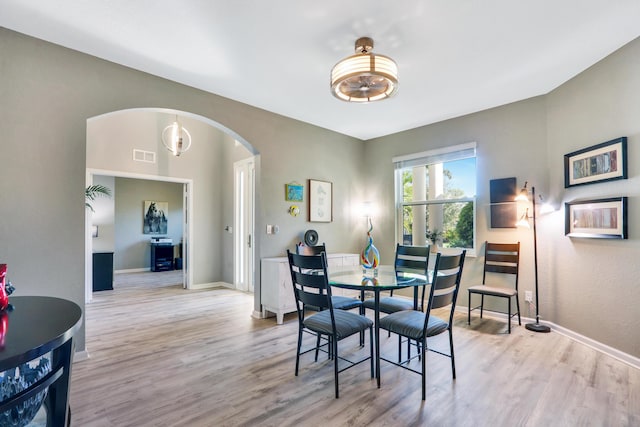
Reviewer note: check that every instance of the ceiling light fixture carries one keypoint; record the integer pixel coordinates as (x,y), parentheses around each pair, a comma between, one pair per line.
(364,77)
(176,138)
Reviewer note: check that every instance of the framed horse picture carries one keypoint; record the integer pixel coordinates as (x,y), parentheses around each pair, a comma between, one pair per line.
(155,217)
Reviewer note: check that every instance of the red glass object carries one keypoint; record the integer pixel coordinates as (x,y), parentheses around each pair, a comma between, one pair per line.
(4,297)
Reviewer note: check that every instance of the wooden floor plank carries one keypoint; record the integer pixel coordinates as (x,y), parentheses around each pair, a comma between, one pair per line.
(165,356)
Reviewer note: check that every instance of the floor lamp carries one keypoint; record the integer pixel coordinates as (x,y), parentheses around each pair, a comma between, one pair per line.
(524,222)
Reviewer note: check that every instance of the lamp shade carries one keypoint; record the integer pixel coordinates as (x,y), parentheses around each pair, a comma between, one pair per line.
(364,77)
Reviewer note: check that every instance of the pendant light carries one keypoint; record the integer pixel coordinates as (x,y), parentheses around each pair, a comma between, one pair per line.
(176,138)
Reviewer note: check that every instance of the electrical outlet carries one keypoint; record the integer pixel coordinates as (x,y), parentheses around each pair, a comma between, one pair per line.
(528,296)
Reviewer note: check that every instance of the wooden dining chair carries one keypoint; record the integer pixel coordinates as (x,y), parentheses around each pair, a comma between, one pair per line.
(417,326)
(499,259)
(311,288)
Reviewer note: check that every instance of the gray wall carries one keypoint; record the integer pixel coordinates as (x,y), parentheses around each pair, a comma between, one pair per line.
(592,286)
(48,92)
(132,249)
(510,143)
(588,286)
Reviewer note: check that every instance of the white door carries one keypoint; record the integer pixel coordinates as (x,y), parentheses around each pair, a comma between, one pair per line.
(184,244)
(243,188)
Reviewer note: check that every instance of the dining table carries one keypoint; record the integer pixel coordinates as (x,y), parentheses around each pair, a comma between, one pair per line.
(385,278)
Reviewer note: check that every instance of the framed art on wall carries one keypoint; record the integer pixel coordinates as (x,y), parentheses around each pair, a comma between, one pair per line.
(293,192)
(320,201)
(154,217)
(602,218)
(502,194)
(602,162)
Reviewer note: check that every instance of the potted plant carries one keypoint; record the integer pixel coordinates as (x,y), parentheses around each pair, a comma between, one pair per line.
(94,191)
(434,236)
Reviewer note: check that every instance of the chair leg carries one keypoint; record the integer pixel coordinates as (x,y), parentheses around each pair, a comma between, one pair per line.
(371,350)
(424,371)
(399,348)
(481,304)
(317,346)
(509,314)
(335,363)
(298,350)
(453,359)
(469,310)
(518,308)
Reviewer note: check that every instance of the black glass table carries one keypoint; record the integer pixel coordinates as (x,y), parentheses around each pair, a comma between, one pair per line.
(40,327)
(386,279)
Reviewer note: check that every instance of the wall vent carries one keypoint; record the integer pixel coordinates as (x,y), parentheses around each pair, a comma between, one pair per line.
(144,156)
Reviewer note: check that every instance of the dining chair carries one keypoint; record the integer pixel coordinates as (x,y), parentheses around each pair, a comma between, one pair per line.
(311,288)
(499,259)
(418,326)
(340,302)
(409,259)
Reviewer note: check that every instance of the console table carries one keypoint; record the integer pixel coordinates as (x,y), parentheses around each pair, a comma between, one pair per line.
(276,289)
(36,326)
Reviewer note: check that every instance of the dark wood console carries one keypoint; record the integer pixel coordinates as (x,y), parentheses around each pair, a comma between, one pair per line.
(161,256)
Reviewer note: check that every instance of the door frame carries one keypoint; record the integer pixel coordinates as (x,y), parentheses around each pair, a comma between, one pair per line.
(248,221)
(187,224)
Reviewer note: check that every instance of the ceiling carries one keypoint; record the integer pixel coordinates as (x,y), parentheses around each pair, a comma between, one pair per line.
(454,57)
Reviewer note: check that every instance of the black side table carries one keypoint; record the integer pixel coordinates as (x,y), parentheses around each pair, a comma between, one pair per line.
(38,325)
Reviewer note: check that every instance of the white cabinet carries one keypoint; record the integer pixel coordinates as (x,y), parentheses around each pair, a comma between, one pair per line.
(276,294)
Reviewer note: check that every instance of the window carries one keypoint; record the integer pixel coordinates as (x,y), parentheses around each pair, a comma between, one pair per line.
(436,191)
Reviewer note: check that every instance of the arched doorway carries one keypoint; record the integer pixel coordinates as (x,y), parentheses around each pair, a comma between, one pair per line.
(204,169)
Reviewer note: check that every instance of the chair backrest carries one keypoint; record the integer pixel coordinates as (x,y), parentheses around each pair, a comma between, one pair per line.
(302,249)
(413,259)
(310,282)
(501,258)
(445,283)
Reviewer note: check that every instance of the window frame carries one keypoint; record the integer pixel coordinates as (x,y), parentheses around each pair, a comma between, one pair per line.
(440,155)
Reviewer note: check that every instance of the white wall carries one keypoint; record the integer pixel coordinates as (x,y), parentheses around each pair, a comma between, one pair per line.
(104,216)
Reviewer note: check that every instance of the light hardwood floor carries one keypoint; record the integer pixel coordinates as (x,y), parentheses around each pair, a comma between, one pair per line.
(172,357)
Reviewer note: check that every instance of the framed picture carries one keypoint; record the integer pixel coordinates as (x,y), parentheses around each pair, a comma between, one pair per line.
(320,201)
(502,194)
(155,217)
(603,218)
(602,162)
(293,192)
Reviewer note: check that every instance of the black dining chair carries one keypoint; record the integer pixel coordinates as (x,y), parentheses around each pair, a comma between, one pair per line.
(500,259)
(311,288)
(409,259)
(340,302)
(417,326)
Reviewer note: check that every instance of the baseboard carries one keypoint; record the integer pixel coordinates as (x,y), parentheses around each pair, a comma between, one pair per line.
(131,270)
(623,357)
(258,315)
(197,286)
(596,345)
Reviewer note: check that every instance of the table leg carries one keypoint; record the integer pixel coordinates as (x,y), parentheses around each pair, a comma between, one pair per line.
(57,399)
(377,328)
